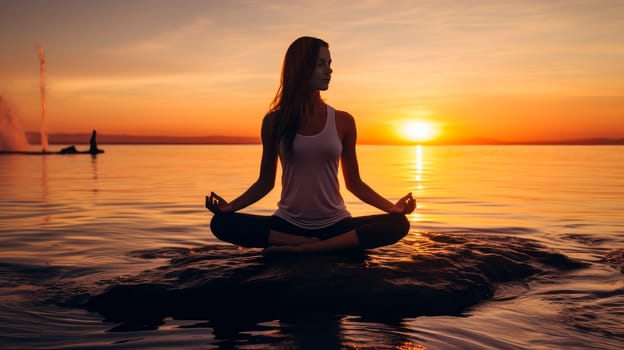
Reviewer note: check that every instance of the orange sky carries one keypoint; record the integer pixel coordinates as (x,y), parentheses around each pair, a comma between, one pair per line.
(517,71)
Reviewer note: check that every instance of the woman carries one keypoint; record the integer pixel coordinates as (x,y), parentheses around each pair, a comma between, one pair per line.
(309,137)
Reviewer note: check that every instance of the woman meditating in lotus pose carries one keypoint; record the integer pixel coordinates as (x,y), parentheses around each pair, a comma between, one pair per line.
(309,137)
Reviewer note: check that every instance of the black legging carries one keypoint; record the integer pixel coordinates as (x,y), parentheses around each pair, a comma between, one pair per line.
(249,230)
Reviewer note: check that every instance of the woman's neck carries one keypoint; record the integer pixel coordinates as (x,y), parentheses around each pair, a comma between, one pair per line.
(315,103)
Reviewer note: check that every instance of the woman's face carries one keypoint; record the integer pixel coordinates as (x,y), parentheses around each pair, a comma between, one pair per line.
(322,71)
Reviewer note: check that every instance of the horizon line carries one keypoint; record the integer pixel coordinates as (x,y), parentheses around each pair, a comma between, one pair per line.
(127,139)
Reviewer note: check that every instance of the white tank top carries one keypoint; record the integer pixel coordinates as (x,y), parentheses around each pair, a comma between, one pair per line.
(310,191)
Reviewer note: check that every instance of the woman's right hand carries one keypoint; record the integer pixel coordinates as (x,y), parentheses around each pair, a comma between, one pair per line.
(405,205)
(216,204)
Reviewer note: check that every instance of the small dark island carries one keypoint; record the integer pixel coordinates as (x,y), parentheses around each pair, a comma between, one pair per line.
(93,148)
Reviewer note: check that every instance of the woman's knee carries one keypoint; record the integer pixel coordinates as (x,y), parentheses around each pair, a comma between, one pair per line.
(399,225)
(385,230)
(241,229)
(220,225)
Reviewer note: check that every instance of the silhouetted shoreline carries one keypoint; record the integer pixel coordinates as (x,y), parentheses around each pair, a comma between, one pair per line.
(78,138)
(46,153)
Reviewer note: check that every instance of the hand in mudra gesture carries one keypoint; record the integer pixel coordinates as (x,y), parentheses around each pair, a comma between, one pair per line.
(216,204)
(405,205)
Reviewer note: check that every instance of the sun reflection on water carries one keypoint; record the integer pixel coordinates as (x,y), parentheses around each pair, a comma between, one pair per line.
(417,169)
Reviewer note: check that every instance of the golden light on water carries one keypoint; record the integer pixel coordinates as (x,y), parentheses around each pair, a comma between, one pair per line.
(418,167)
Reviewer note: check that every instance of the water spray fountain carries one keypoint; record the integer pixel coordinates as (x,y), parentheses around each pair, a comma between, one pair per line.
(42,89)
(12,136)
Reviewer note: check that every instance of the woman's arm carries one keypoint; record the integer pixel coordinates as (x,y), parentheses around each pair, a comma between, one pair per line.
(263,185)
(351,172)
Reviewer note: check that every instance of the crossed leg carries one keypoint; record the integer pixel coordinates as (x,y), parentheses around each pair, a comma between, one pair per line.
(279,236)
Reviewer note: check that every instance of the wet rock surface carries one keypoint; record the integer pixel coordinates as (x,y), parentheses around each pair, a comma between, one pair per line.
(425,274)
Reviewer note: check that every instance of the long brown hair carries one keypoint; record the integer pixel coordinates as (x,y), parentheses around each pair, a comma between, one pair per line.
(292,97)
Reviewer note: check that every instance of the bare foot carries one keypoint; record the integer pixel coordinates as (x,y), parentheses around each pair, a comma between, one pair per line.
(282,249)
(284,239)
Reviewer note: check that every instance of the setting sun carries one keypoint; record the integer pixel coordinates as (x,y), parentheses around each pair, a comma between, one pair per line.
(418,131)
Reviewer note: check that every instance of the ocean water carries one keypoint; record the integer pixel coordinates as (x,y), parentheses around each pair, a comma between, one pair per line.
(511,247)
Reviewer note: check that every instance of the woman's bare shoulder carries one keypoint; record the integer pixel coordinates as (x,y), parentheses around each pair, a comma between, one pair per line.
(344,119)
(343,114)
(268,121)
(266,131)
(269,117)
(345,125)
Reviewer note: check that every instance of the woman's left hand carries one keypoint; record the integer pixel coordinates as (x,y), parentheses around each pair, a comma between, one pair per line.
(405,205)
(216,204)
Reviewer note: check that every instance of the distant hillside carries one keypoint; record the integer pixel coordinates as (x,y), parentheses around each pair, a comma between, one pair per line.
(77,139)
(103,139)
(592,141)
(488,141)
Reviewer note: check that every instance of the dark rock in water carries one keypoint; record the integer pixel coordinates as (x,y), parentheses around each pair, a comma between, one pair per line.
(73,150)
(69,150)
(425,274)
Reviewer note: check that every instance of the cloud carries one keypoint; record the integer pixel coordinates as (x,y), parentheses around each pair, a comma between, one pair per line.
(182,36)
